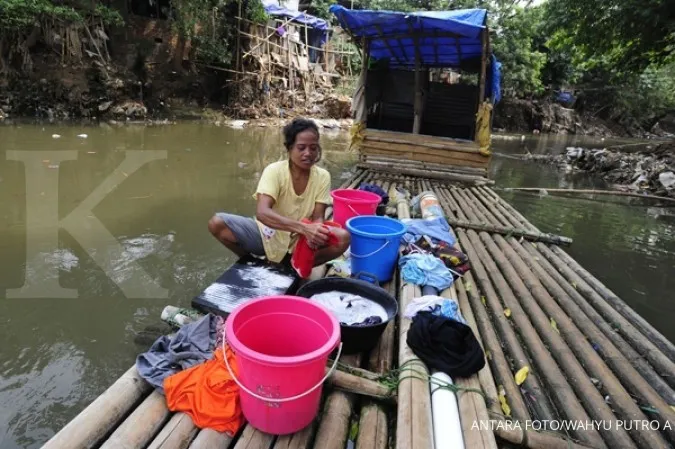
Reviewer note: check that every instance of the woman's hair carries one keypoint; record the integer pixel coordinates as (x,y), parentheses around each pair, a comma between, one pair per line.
(294,128)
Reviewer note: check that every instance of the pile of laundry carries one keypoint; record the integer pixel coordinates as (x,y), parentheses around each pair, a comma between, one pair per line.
(189,369)
(440,337)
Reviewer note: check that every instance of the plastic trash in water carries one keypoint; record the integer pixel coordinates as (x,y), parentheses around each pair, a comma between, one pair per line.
(82,136)
(56,136)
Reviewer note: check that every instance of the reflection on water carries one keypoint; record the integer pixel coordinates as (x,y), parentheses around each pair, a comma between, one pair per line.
(59,354)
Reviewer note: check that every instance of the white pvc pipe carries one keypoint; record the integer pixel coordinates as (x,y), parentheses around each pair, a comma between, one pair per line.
(445,413)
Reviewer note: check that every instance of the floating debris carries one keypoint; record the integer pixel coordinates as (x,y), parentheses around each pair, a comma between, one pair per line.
(82,136)
(56,136)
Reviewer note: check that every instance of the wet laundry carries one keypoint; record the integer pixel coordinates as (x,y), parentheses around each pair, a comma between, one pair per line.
(453,258)
(193,344)
(446,307)
(208,394)
(425,269)
(436,228)
(370,321)
(445,345)
(377,190)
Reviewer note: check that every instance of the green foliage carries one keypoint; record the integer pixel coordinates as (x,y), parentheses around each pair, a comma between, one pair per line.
(16,15)
(513,42)
(634,33)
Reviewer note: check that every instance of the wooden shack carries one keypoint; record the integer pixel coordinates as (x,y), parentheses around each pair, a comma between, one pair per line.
(407,107)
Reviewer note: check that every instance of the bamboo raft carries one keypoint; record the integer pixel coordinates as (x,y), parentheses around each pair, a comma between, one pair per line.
(591,358)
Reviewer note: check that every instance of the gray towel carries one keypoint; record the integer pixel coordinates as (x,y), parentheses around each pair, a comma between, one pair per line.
(194,343)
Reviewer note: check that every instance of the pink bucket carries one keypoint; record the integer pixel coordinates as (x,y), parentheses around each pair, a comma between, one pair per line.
(281,345)
(348,203)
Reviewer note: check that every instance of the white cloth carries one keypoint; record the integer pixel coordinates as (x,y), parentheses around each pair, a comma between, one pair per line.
(423,303)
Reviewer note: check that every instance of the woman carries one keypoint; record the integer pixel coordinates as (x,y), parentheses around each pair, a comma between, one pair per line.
(288,192)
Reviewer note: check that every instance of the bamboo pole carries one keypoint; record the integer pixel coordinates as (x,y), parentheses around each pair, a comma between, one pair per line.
(91,425)
(569,338)
(359,385)
(494,216)
(211,439)
(544,363)
(571,320)
(592,192)
(425,165)
(533,439)
(542,406)
(414,422)
(252,438)
(334,426)
(176,434)
(586,391)
(426,174)
(373,429)
(617,303)
(508,209)
(472,405)
(580,303)
(643,345)
(142,425)
(483,227)
(498,209)
(298,440)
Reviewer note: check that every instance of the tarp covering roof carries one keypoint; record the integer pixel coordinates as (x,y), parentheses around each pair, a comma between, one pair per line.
(447,38)
(297,16)
(444,38)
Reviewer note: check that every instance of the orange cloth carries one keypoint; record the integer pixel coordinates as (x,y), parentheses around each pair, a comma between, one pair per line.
(208,394)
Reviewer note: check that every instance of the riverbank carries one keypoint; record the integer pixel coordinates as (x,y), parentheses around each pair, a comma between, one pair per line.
(638,167)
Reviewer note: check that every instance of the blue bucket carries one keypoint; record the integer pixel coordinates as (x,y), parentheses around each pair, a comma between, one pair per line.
(375,245)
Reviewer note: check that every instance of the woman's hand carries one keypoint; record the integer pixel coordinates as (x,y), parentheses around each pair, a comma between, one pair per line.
(316,234)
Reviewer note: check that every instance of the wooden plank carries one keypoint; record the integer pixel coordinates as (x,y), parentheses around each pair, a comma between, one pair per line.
(420,139)
(252,438)
(176,434)
(142,425)
(413,155)
(101,416)
(210,439)
(422,149)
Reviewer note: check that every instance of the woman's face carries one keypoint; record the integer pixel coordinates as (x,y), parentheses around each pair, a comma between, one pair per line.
(305,151)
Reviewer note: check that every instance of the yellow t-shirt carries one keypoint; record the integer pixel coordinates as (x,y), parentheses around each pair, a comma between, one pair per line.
(276,182)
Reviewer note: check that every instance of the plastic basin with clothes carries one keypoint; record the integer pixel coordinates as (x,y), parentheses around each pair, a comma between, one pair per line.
(357,338)
(374,245)
(281,345)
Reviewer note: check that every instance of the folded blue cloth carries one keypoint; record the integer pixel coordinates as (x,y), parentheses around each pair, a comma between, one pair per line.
(377,190)
(425,269)
(436,228)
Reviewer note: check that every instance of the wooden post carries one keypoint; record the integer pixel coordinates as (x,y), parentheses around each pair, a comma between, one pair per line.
(483,66)
(417,124)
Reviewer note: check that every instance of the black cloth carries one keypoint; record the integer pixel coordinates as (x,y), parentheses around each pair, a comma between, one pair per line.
(445,345)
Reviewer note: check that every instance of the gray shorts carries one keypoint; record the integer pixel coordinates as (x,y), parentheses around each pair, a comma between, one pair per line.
(246,231)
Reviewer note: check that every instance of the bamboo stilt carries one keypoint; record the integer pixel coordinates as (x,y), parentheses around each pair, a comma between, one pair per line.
(89,427)
(642,345)
(142,425)
(580,303)
(571,339)
(647,329)
(176,434)
(210,439)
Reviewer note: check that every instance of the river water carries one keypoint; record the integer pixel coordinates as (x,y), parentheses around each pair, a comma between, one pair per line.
(78,304)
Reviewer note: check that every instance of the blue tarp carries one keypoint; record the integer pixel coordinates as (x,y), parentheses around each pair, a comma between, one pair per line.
(449,38)
(297,16)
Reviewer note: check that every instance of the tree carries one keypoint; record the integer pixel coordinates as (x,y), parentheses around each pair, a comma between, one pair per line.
(634,33)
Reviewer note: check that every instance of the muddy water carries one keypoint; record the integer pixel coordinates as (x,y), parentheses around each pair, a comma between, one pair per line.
(77,306)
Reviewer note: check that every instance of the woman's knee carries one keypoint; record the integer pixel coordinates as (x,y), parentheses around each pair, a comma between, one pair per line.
(220,230)
(344,239)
